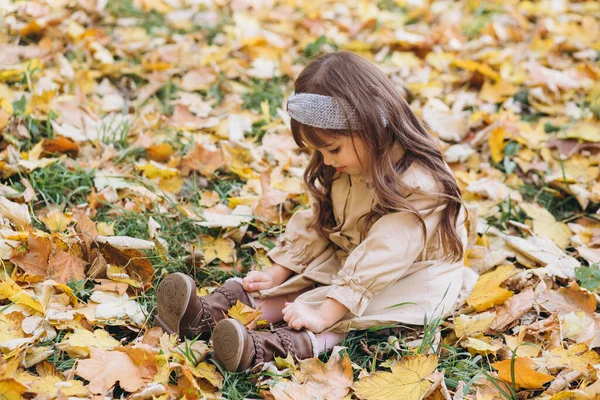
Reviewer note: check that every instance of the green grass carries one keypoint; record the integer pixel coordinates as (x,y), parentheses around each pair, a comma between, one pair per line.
(57,184)
(151,21)
(560,204)
(265,89)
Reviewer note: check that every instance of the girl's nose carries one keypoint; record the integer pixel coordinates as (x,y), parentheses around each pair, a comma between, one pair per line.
(327,160)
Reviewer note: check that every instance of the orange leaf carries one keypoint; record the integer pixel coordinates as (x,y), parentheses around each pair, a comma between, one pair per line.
(160,152)
(60,145)
(104,368)
(36,260)
(525,375)
(63,267)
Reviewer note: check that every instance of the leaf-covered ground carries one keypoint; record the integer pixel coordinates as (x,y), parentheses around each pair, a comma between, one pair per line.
(136,133)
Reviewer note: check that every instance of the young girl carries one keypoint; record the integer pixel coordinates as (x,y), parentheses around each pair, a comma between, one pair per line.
(383,242)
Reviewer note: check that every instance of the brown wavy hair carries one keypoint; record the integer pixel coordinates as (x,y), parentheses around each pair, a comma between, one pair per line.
(349,77)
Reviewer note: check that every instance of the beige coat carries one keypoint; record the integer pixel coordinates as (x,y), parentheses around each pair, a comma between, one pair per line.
(389,267)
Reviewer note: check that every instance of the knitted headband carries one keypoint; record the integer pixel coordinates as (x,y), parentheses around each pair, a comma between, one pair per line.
(324,112)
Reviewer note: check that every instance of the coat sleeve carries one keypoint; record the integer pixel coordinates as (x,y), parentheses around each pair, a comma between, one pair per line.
(299,245)
(386,254)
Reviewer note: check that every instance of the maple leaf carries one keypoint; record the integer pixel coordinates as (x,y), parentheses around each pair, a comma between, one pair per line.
(566,300)
(406,380)
(525,375)
(35,261)
(219,248)
(105,368)
(78,343)
(315,378)
(64,267)
(577,357)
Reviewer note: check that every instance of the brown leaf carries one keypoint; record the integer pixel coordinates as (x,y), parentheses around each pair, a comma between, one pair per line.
(137,266)
(105,368)
(142,356)
(35,261)
(63,267)
(203,160)
(566,300)
(87,229)
(99,265)
(511,310)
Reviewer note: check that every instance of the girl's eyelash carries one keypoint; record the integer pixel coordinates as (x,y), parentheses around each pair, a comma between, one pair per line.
(334,150)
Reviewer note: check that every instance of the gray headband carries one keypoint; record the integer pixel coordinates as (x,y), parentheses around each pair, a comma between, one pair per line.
(324,112)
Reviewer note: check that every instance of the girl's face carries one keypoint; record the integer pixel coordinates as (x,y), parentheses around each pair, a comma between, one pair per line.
(345,153)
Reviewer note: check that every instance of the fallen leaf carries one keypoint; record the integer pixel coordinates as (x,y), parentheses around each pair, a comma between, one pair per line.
(525,376)
(64,267)
(105,368)
(566,300)
(244,313)
(577,357)
(545,225)
(78,343)
(405,381)
(512,310)
(35,261)
(17,213)
(487,291)
(315,378)
(219,248)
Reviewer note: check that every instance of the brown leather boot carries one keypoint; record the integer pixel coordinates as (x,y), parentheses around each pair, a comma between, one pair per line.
(237,348)
(181,311)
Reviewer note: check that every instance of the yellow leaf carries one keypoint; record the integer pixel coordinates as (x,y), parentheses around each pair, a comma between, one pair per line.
(155,170)
(78,343)
(243,313)
(221,248)
(10,326)
(513,343)
(288,362)
(465,325)
(11,389)
(497,92)
(480,346)
(106,229)
(474,66)
(545,225)
(13,292)
(405,381)
(209,372)
(487,291)
(582,130)
(171,185)
(577,357)
(56,220)
(496,143)
(525,375)
(119,274)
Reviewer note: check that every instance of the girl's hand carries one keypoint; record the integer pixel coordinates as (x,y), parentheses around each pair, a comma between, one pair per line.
(299,315)
(257,280)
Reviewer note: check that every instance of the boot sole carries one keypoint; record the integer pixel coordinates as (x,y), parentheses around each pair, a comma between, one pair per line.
(173,297)
(228,343)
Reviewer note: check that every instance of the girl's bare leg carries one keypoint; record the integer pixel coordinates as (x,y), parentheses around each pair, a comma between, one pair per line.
(326,341)
(272,306)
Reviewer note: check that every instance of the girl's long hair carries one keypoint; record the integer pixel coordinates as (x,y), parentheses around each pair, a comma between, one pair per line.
(352,78)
